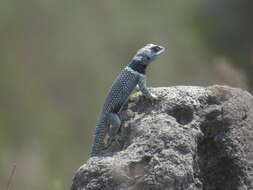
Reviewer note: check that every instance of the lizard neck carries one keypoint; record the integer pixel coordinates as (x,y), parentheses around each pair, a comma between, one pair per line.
(137,66)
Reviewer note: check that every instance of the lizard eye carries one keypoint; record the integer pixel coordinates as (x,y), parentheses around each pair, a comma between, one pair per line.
(156,48)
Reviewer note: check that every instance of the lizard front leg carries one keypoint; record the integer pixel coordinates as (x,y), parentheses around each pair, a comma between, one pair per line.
(143,87)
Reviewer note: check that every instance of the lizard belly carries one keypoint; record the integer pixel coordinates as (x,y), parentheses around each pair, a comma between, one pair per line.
(121,89)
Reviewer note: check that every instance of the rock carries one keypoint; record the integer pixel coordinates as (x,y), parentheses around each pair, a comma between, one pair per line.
(191,138)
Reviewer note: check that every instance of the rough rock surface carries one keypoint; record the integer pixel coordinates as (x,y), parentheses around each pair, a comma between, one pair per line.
(192,138)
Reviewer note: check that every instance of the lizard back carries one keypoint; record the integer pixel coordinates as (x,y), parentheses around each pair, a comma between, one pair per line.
(120,90)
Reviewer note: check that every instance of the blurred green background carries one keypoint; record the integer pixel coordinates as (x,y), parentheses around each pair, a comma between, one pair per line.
(58,59)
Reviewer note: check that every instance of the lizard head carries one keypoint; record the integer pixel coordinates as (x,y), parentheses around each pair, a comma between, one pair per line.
(148,53)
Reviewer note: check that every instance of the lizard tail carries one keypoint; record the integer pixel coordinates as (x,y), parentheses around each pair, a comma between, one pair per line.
(98,138)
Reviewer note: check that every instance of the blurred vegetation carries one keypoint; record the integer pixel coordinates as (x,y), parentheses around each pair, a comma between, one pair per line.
(58,59)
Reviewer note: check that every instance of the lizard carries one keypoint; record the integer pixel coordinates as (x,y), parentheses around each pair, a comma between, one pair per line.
(131,77)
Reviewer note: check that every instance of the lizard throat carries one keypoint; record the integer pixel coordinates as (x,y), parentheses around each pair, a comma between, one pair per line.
(138,67)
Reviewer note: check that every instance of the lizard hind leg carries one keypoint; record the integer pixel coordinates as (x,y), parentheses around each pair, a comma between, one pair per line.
(115,123)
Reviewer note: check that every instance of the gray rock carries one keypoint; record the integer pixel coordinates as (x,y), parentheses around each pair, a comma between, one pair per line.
(192,138)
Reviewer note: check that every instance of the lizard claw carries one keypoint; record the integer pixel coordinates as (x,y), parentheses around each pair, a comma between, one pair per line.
(112,141)
(154,97)
(109,143)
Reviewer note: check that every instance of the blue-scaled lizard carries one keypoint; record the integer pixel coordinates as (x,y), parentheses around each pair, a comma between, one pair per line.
(132,76)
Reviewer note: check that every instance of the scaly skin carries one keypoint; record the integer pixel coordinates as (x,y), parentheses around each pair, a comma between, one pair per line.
(125,83)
